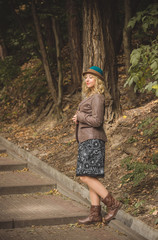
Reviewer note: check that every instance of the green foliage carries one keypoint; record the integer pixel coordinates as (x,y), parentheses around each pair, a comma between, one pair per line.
(125,198)
(145,123)
(139,204)
(149,126)
(143,72)
(33,81)
(138,207)
(155,158)
(8,70)
(147,18)
(132,140)
(137,171)
(26,93)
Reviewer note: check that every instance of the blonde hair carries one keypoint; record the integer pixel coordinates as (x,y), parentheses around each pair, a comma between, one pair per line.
(99,87)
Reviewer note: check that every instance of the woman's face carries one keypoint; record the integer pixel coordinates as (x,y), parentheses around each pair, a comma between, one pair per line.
(89,80)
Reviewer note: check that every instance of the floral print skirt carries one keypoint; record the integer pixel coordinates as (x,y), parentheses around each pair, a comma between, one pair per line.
(91,158)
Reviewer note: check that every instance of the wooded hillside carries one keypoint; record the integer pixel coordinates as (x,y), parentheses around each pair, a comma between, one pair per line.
(44,48)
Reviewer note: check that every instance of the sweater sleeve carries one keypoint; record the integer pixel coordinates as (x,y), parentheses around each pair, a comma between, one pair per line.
(97,117)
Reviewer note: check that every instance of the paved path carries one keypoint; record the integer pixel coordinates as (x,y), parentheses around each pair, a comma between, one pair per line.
(62,232)
(32,208)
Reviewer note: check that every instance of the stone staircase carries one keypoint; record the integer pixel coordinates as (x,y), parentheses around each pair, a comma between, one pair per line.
(28,197)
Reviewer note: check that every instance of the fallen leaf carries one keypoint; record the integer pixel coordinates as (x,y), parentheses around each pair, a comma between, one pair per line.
(155,212)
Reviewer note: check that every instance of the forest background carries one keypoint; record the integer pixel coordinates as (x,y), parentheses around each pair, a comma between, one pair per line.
(44,48)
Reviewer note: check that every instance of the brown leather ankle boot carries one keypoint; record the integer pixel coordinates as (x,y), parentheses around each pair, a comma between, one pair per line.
(112,207)
(95,216)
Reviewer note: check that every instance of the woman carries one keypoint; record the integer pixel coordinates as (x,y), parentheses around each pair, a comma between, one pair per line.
(90,134)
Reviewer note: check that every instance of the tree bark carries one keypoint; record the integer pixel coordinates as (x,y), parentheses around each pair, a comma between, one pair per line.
(99,49)
(74,43)
(50,41)
(43,53)
(93,40)
(127,35)
(111,73)
(127,32)
(59,64)
(3,50)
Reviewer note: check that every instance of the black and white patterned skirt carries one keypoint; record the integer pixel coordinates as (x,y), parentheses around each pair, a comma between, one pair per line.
(91,158)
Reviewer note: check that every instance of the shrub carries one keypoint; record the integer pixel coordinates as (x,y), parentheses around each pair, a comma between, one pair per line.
(155,158)
(149,126)
(137,171)
(8,70)
(143,72)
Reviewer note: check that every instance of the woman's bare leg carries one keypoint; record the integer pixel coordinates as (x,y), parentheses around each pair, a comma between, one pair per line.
(95,210)
(95,185)
(95,199)
(112,204)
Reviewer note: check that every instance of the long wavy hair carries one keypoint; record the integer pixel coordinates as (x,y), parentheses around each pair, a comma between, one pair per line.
(99,87)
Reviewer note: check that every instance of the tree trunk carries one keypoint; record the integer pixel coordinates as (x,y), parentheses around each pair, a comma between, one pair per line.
(50,41)
(74,43)
(99,49)
(127,49)
(93,40)
(127,35)
(59,64)
(111,73)
(43,53)
(3,50)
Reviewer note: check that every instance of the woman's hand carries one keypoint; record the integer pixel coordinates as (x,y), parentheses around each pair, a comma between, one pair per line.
(74,119)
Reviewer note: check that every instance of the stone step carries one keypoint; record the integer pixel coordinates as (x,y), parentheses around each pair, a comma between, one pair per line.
(8,164)
(2,149)
(24,210)
(18,182)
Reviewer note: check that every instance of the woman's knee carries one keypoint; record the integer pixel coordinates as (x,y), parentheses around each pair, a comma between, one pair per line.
(84,179)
